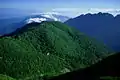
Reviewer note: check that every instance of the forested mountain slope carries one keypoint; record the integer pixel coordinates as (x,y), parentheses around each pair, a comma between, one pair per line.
(48,48)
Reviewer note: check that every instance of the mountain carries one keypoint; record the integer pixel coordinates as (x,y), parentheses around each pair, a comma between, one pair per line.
(102,26)
(9,25)
(47,48)
(107,69)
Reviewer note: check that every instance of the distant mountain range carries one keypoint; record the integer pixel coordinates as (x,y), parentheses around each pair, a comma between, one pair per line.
(8,25)
(102,26)
(39,46)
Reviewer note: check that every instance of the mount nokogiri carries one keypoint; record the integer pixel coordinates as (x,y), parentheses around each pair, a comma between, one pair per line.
(47,48)
(102,26)
(9,25)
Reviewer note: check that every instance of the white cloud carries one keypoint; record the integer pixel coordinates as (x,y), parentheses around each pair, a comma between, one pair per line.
(77,11)
(38,20)
(47,13)
(73,12)
(66,9)
(108,10)
(105,10)
(50,16)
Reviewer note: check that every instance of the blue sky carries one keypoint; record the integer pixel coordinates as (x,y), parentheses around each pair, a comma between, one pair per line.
(73,7)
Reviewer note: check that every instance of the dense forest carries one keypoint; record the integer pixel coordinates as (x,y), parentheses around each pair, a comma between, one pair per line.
(47,49)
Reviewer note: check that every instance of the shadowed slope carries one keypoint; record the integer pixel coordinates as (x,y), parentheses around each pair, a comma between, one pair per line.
(109,66)
(102,26)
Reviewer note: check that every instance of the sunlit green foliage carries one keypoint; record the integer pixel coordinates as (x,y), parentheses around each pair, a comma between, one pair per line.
(47,49)
(110,78)
(4,77)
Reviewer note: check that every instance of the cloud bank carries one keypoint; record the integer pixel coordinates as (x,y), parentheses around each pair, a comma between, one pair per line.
(77,11)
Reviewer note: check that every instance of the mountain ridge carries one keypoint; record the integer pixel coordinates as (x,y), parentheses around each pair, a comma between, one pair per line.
(102,26)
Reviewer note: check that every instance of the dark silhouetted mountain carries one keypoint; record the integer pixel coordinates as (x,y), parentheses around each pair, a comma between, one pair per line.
(102,26)
(109,66)
(47,48)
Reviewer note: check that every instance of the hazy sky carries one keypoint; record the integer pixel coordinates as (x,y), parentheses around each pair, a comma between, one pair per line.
(72,7)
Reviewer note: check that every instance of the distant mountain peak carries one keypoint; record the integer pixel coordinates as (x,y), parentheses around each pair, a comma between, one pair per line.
(46,16)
